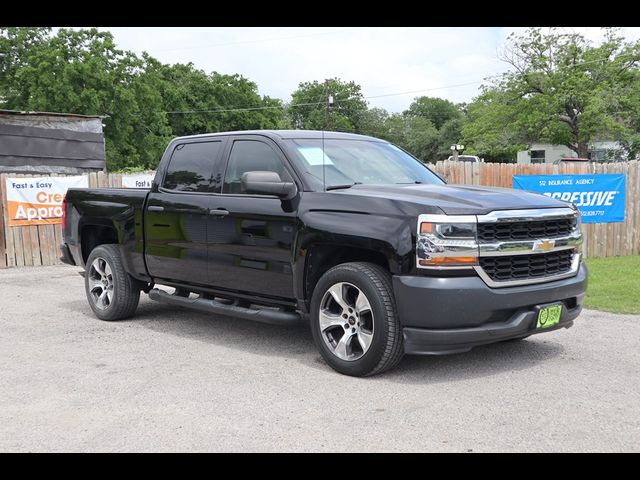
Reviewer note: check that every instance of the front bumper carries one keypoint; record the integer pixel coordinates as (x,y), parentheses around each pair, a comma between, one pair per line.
(454,314)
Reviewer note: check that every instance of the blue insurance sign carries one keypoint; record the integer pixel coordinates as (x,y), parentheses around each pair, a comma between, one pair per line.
(600,197)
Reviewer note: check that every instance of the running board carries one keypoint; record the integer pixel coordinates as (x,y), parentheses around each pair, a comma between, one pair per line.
(274,317)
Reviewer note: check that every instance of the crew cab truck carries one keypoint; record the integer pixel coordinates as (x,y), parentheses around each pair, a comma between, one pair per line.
(348,233)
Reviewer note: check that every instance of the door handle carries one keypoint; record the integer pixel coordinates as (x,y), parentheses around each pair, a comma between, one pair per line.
(156,208)
(218,212)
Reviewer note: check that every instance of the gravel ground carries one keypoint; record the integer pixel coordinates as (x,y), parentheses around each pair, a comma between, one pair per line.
(178,380)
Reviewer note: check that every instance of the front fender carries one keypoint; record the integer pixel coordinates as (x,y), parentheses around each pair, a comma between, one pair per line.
(389,235)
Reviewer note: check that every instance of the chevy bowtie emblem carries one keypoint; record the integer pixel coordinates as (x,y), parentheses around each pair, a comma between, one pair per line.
(543,245)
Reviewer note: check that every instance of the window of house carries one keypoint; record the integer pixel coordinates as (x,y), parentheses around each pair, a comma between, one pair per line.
(537,156)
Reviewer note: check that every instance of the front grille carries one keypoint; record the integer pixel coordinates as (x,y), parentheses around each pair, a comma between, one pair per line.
(522,267)
(501,231)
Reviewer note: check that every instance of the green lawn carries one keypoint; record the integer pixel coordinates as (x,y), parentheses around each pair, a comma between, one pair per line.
(614,284)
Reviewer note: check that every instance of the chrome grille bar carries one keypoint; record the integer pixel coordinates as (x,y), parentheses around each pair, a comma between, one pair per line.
(510,249)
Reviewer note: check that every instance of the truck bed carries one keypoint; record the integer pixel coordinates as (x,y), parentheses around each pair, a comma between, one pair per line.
(121,208)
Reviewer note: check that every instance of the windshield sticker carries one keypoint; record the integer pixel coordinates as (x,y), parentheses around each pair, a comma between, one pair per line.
(313,156)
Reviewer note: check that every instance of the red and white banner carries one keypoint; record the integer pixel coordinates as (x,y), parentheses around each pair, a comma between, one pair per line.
(38,200)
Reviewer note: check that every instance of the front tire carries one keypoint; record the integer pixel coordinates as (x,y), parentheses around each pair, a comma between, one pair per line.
(112,293)
(354,321)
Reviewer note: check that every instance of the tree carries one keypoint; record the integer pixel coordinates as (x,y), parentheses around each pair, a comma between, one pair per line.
(415,134)
(449,134)
(443,116)
(373,122)
(438,110)
(309,101)
(142,101)
(16,44)
(82,72)
(198,102)
(561,90)
(489,127)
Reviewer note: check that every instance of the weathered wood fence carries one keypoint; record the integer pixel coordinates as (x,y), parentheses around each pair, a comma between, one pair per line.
(38,244)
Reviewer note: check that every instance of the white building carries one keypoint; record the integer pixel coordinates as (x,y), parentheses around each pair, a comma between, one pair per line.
(547,153)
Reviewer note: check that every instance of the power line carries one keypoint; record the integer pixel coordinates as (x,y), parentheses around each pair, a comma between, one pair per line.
(323,102)
(429,89)
(224,110)
(471,83)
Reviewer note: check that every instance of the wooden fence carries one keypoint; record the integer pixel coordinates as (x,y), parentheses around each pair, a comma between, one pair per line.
(35,245)
(39,244)
(600,239)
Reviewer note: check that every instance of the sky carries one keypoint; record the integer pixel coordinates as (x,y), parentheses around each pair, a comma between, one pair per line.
(393,65)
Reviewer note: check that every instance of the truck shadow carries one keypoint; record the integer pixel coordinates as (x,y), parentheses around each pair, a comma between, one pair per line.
(230,332)
(297,344)
(484,361)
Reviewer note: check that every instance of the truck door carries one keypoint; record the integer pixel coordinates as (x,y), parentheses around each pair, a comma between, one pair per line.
(250,236)
(177,212)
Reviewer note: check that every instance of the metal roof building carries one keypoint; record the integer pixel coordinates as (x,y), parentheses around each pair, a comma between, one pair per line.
(43,142)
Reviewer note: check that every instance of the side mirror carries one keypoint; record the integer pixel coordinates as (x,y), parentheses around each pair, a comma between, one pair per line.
(267,183)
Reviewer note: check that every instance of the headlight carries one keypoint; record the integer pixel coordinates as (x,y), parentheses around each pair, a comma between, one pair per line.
(578,221)
(446,241)
(578,229)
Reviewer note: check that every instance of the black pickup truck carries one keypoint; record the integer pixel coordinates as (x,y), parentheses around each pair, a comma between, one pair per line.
(348,233)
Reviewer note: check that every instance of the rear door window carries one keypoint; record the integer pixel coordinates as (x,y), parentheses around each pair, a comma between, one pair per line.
(192,166)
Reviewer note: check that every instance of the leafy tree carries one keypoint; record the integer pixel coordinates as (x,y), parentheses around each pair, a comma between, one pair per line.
(198,102)
(450,133)
(307,109)
(445,117)
(150,126)
(561,90)
(415,134)
(438,110)
(82,71)
(16,44)
(373,122)
(489,127)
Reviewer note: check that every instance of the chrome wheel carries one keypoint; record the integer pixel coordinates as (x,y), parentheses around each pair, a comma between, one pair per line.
(101,283)
(346,321)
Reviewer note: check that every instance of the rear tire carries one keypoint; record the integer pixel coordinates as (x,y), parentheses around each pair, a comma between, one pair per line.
(112,293)
(354,320)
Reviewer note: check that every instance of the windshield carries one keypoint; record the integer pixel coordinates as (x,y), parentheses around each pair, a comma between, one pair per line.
(348,162)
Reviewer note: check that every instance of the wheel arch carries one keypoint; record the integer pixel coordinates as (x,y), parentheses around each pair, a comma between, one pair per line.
(93,234)
(322,257)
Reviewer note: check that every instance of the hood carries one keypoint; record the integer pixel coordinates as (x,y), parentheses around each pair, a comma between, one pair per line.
(457,199)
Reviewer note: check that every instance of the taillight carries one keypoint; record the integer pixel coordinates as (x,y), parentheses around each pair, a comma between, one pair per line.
(64,213)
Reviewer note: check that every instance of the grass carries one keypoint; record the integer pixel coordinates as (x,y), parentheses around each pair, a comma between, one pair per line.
(614,284)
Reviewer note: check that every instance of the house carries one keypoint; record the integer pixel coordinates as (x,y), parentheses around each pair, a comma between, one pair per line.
(547,153)
(42,142)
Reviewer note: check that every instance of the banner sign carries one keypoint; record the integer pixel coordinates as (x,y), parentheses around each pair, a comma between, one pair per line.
(599,197)
(38,200)
(138,180)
